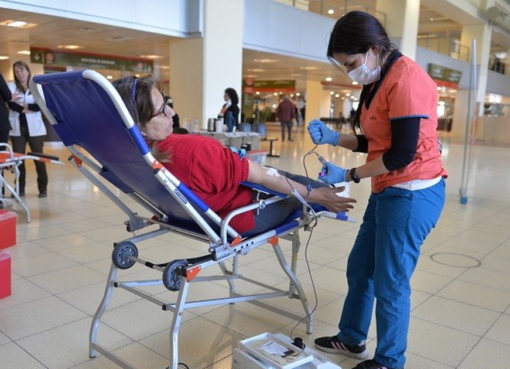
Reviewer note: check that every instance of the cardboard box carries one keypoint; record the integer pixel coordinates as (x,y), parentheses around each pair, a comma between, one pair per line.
(7,229)
(5,274)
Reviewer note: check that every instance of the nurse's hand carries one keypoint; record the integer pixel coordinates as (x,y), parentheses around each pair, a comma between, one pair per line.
(331,174)
(321,134)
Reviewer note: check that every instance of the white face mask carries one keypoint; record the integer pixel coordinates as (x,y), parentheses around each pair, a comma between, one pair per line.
(364,75)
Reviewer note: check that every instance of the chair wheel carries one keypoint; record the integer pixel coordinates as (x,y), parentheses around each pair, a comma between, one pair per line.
(121,254)
(171,276)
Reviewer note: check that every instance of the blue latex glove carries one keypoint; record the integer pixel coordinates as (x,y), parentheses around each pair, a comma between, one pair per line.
(321,134)
(330,173)
(241,153)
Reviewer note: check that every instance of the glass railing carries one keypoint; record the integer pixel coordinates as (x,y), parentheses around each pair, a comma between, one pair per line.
(433,42)
(444,45)
(496,110)
(334,9)
(499,66)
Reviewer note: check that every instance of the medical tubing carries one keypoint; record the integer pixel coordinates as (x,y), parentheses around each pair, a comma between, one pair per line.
(298,195)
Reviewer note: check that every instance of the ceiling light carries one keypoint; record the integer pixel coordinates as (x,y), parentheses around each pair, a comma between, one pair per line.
(151,56)
(309,68)
(331,11)
(24,52)
(17,24)
(109,77)
(331,93)
(264,60)
(70,47)
(438,19)
(354,83)
(3,57)
(329,79)
(337,95)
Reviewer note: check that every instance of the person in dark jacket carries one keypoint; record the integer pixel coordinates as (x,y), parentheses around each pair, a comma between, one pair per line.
(230,109)
(286,115)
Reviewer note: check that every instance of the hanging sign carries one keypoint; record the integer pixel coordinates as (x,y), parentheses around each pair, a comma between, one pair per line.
(444,76)
(251,86)
(89,61)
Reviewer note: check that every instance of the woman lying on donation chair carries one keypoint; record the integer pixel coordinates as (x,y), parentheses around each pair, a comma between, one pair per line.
(190,158)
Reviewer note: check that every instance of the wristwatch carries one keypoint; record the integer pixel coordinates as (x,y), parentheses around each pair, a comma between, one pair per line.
(354,177)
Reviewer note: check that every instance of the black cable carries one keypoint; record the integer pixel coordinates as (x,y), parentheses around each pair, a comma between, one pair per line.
(312,227)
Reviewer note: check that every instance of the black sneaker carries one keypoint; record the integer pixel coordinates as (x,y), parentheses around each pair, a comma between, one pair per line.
(370,364)
(335,346)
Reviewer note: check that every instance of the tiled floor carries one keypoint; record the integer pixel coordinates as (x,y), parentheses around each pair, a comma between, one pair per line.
(461,288)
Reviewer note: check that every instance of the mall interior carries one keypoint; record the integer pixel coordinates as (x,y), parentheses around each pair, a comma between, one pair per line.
(263,49)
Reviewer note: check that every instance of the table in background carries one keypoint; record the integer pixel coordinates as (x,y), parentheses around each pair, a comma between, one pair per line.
(236,139)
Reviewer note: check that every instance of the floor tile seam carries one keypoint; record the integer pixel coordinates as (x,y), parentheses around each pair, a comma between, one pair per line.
(448,327)
(52,328)
(421,303)
(430,359)
(51,294)
(76,263)
(472,349)
(205,316)
(67,248)
(29,354)
(474,306)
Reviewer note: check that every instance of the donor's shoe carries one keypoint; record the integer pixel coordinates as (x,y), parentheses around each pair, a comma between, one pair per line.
(333,345)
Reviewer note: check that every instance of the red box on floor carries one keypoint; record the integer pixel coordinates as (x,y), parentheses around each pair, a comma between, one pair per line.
(7,228)
(5,274)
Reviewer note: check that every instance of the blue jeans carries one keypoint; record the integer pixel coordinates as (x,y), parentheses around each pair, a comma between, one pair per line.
(380,266)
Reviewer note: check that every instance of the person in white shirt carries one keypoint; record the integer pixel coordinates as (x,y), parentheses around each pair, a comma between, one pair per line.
(27,125)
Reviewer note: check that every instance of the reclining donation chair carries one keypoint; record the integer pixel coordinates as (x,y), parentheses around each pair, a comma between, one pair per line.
(108,149)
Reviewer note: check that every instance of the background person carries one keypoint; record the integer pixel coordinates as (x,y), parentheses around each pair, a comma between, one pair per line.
(5,96)
(396,124)
(230,109)
(27,126)
(188,157)
(286,115)
(5,126)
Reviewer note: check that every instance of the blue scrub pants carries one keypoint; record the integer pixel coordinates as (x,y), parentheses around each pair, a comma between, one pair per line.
(380,266)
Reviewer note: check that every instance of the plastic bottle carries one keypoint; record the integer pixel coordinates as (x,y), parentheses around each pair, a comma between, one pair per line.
(195,124)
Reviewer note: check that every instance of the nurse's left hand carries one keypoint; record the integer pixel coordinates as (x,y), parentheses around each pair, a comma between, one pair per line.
(331,174)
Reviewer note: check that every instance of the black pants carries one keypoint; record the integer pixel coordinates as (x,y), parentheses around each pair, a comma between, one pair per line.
(4,137)
(287,125)
(36,145)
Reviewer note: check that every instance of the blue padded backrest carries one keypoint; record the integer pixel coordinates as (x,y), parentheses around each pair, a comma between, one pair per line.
(88,118)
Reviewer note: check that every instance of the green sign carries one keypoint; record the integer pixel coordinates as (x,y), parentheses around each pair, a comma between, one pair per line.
(439,73)
(251,85)
(92,61)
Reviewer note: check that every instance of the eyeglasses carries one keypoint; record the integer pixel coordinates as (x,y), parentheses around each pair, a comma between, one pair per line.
(162,110)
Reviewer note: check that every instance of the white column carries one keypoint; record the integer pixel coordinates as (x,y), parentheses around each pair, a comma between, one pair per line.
(201,69)
(313,101)
(402,17)
(482,35)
